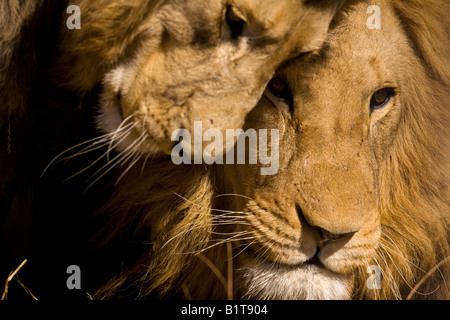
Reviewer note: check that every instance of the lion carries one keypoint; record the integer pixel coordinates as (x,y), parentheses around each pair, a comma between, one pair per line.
(161,64)
(165,64)
(362,182)
(140,69)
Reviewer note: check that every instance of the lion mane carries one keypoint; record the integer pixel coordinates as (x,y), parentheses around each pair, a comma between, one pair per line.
(172,221)
(177,211)
(415,200)
(59,87)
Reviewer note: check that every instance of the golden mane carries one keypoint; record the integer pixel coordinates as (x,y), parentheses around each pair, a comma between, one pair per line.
(55,80)
(177,212)
(174,212)
(175,218)
(415,194)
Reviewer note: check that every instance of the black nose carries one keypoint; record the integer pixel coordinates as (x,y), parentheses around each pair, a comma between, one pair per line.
(324,237)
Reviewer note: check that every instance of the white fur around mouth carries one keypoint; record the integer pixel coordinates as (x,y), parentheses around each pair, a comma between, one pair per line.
(265,280)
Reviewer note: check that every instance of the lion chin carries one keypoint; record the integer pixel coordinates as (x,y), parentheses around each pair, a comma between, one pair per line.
(265,280)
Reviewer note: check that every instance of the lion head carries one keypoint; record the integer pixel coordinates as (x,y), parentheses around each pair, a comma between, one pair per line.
(363,178)
(165,64)
(153,66)
(359,147)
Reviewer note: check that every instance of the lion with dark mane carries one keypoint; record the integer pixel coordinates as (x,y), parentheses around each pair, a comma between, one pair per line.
(363,180)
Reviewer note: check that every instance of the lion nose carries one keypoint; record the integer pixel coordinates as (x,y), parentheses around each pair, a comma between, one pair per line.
(324,237)
(321,235)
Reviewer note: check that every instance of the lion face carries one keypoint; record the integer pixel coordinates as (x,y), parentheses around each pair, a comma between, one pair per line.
(317,221)
(185,61)
(363,178)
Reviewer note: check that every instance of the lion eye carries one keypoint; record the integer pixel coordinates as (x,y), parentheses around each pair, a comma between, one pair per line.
(381,98)
(236,21)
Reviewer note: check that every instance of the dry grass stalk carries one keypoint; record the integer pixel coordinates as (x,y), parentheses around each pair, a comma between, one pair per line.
(428,274)
(230,271)
(214,269)
(9,279)
(227,283)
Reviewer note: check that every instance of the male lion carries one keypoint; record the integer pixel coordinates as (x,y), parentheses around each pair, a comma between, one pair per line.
(363,180)
(163,64)
(152,66)
(167,63)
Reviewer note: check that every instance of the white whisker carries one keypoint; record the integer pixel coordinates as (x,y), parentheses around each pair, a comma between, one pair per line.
(137,157)
(72,148)
(219,243)
(200,206)
(102,143)
(96,160)
(117,159)
(110,147)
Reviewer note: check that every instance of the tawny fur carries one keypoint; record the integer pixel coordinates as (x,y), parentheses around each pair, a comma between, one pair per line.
(147,206)
(168,63)
(171,205)
(182,60)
